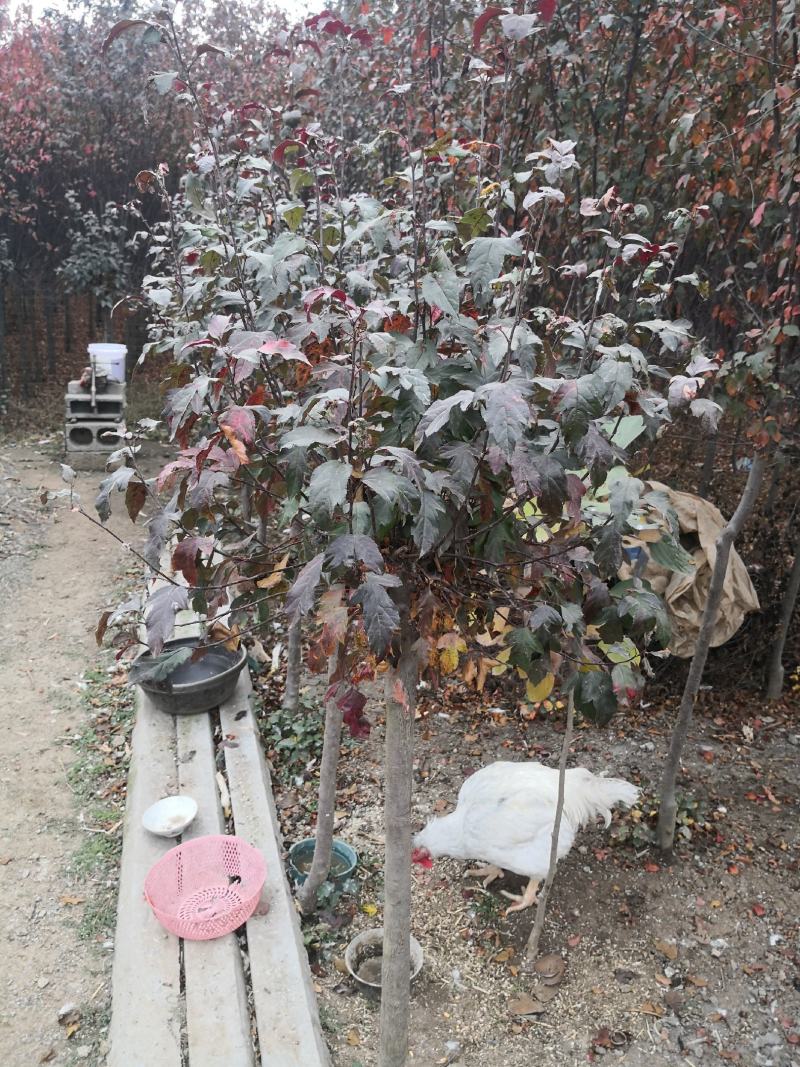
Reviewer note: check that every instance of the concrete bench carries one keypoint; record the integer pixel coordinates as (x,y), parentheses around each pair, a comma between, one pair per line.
(182,1003)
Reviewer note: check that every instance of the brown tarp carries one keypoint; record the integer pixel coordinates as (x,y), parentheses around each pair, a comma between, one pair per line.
(686,594)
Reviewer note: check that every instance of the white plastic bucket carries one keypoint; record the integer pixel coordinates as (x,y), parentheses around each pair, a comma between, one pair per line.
(109,359)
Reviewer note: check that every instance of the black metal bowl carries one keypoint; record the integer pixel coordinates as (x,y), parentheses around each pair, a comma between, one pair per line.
(194,685)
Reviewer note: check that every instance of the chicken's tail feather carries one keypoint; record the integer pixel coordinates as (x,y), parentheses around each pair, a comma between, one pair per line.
(588,796)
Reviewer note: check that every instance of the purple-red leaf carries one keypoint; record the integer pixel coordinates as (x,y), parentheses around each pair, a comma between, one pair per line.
(310,44)
(241,421)
(159,619)
(135,497)
(482,21)
(205,49)
(300,598)
(547,9)
(289,144)
(184,558)
(119,29)
(351,702)
(758,214)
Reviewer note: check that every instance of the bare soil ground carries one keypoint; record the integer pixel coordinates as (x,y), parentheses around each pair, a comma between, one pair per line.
(56,571)
(693,964)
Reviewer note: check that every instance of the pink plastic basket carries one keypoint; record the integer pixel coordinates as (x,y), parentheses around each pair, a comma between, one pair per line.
(206,887)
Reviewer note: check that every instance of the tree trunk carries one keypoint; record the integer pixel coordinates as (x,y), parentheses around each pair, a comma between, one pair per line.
(775,482)
(532,949)
(326,802)
(291,693)
(49,326)
(36,368)
(707,474)
(668,807)
(401,695)
(3,373)
(67,325)
(775,671)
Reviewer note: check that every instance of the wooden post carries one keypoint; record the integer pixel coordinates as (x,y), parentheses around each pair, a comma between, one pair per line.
(775,671)
(668,808)
(401,694)
(532,949)
(326,803)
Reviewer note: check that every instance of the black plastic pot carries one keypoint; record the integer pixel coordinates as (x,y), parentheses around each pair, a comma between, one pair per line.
(194,685)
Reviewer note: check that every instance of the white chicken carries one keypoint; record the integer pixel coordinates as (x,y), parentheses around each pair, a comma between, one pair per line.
(505,816)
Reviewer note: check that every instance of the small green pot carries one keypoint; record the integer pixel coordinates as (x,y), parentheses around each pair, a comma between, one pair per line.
(344,861)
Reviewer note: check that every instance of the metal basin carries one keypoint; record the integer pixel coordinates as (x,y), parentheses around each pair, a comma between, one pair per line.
(366,948)
(195,686)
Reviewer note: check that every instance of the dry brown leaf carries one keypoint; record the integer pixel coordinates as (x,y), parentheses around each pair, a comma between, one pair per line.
(674,999)
(668,949)
(68,899)
(550,968)
(701,983)
(649,1008)
(340,965)
(353,1036)
(277,576)
(544,993)
(526,1005)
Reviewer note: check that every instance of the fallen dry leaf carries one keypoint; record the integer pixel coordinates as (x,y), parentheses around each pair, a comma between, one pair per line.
(526,1005)
(544,993)
(649,1008)
(605,1038)
(753,968)
(674,999)
(68,899)
(340,965)
(353,1036)
(550,968)
(667,948)
(700,983)
(69,1014)
(759,910)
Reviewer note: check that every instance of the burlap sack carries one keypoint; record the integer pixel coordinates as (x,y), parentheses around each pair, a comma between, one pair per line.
(686,594)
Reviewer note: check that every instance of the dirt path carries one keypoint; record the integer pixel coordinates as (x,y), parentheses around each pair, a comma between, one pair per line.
(53,585)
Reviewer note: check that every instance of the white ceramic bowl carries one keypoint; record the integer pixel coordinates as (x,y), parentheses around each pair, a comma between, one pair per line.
(170,816)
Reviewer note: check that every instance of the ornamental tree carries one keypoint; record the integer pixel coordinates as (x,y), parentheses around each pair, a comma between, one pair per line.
(401,413)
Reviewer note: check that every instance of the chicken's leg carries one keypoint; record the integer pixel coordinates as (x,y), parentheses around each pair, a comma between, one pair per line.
(526,900)
(489,873)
